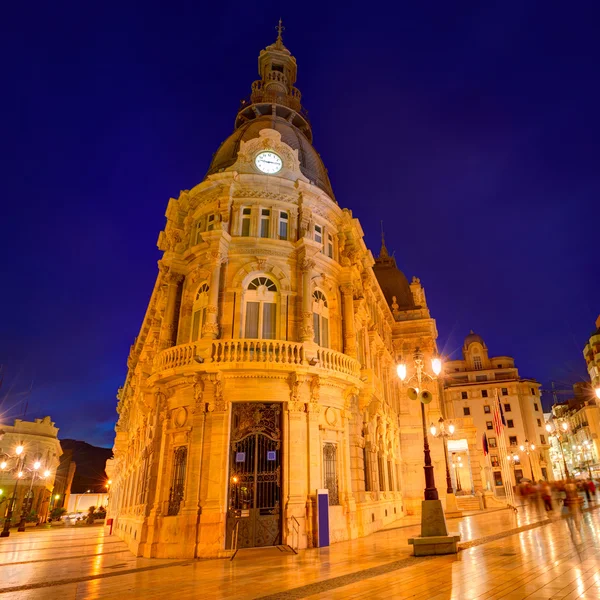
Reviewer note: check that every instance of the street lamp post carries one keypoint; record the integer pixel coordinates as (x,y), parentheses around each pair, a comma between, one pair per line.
(19,473)
(434,538)
(528,448)
(444,431)
(587,454)
(558,432)
(35,474)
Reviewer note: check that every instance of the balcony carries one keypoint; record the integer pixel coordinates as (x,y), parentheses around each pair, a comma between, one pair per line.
(222,354)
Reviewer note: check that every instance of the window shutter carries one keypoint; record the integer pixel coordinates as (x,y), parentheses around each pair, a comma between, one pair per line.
(252,319)
(316,327)
(196,325)
(269,325)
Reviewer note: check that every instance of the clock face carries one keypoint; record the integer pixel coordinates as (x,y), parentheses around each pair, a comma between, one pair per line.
(268,162)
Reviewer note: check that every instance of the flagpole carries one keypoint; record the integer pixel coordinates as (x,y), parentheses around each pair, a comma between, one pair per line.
(502,451)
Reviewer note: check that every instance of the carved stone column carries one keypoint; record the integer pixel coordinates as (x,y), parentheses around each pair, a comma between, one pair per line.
(213,481)
(169,323)
(296,441)
(307,333)
(210,331)
(348,320)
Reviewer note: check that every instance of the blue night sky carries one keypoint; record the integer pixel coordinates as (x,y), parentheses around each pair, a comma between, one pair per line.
(472,132)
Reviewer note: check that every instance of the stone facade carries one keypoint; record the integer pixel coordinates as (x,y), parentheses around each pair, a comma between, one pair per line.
(40,443)
(470,385)
(267,317)
(591,353)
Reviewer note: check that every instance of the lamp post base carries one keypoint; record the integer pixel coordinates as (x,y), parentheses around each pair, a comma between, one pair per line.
(434,538)
(21,526)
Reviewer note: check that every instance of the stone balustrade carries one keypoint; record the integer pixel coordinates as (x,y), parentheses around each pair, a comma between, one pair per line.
(242,351)
(257,351)
(336,361)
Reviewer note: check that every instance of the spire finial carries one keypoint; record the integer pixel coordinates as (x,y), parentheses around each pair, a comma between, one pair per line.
(383,253)
(280,28)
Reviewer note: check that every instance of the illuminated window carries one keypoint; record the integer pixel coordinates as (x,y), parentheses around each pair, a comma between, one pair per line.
(489,425)
(542,438)
(199,311)
(487,409)
(320,319)
(260,321)
(512,440)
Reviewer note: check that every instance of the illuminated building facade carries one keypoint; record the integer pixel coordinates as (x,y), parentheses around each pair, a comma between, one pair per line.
(469,391)
(265,365)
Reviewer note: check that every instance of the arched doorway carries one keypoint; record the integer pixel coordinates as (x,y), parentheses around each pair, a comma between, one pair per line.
(254,496)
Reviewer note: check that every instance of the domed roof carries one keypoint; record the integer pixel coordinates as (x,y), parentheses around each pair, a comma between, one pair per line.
(311,164)
(473,337)
(392,281)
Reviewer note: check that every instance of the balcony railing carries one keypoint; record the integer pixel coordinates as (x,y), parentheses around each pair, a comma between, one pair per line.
(263,352)
(257,351)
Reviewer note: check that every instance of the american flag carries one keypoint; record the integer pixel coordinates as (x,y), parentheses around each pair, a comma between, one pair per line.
(499,421)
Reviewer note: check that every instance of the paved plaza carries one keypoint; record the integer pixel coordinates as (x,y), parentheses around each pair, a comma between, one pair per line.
(505,555)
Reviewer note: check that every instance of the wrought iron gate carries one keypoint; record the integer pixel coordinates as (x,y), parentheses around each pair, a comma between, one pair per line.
(255,474)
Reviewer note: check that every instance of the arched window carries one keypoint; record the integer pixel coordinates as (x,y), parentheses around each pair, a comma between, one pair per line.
(261,309)
(320,318)
(199,312)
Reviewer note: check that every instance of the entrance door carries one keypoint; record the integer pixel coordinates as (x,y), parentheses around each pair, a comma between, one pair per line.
(255,475)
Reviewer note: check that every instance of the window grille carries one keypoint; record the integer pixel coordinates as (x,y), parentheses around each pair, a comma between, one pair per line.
(381,473)
(390,476)
(330,472)
(177,480)
(367,470)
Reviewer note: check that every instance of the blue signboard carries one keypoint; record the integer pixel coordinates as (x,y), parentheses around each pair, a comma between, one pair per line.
(322,518)
(271,455)
(240,457)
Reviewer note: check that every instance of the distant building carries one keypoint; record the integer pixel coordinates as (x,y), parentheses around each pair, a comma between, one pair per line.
(591,353)
(579,445)
(469,387)
(40,443)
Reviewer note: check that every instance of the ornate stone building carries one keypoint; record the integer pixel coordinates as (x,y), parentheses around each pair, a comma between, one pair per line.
(40,443)
(265,364)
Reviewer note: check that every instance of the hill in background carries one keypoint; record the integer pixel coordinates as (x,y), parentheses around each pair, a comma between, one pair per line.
(90,461)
